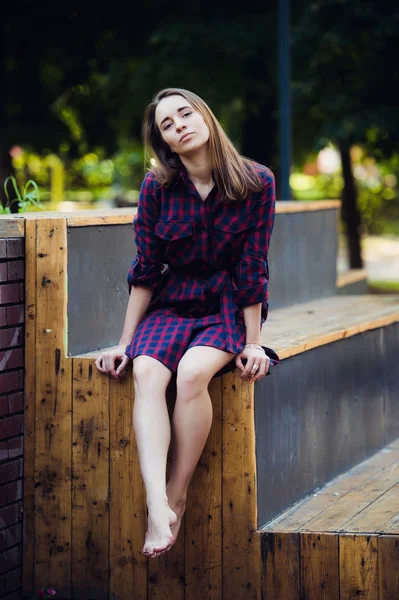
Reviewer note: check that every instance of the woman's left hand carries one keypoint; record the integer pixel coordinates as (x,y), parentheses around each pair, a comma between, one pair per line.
(255,357)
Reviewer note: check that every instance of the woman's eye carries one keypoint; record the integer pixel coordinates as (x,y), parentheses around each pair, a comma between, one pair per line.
(166,126)
(187,113)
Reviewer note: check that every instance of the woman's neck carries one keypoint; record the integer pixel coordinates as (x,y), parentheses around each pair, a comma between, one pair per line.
(198,168)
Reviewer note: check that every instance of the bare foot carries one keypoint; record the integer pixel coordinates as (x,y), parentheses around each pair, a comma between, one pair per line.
(159,536)
(179,509)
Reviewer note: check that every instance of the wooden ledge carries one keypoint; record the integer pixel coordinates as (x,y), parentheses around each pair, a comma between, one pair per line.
(295,329)
(13,225)
(294,206)
(364,499)
(350,276)
(301,327)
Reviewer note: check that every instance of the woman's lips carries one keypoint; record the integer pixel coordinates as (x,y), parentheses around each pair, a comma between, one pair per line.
(186,135)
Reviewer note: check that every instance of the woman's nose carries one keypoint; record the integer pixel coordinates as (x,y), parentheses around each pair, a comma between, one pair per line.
(180,126)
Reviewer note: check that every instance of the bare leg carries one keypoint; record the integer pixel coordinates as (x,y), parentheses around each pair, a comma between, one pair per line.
(191,421)
(152,432)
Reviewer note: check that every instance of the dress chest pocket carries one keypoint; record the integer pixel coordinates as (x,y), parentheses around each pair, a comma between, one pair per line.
(178,241)
(229,235)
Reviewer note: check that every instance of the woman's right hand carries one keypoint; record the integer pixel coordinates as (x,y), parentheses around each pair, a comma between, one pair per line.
(106,362)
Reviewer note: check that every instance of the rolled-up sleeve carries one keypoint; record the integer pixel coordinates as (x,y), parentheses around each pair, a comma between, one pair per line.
(146,268)
(251,276)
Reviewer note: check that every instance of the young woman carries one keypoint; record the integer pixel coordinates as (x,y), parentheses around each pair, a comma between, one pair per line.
(207,213)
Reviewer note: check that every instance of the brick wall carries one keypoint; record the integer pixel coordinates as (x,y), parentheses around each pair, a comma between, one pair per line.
(11,415)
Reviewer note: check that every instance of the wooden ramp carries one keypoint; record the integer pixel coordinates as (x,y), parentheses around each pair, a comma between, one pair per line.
(342,542)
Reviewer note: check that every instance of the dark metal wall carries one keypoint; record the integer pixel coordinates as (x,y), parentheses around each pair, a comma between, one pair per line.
(323,411)
(302,267)
(99,258)
(303,257)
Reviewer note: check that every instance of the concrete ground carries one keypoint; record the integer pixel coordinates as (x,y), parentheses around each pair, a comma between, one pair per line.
(380,255)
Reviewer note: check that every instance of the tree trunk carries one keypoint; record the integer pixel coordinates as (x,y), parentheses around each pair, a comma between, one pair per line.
(350,211)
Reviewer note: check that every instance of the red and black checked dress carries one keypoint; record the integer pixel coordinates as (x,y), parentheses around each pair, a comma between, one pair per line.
(205,261)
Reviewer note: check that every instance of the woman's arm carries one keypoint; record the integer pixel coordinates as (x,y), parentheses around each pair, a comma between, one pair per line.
(252,322)
(139,299)
(251,276)
(146,269)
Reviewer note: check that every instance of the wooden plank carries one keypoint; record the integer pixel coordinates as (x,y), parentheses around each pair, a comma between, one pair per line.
(319,564)
(308,325)
(166,579)
(80,220)
(392,526)
(296,206)
(350,276)
(12,227)
(299,515)
(280,566)
(241,543)
(106,216)
(127,505)
(358,567)
(388,567)
(90,490)
(29,413)
(337,516)
(53,408)
(378,516)
(166,574)
(204,513)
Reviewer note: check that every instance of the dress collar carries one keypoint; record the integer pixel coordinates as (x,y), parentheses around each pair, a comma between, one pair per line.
(183,175)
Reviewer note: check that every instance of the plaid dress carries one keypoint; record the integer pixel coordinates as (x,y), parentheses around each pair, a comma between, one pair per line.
(204,261)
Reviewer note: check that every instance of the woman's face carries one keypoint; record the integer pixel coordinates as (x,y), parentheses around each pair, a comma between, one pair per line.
(181,126)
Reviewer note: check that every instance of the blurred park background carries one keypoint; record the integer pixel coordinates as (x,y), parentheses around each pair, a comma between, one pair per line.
(76,78)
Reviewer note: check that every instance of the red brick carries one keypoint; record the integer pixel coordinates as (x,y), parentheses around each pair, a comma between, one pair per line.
(16,446)
(14,535)
(9,515)
(3,249)
(11,359)
(9,293)
(3,539)
(13,336)
(15,270)
(3,450)
(15,314)
(15,248)
(14,491)
(8,472)
(15,402)
(3,405)
(3,272)
(3,316)
(9,559)
(9,382)
(14,580)
(11,426)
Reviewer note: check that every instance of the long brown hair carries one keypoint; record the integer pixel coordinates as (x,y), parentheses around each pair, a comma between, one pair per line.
(233,173)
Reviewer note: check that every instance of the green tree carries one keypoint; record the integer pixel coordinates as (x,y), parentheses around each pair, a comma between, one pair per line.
(345,77)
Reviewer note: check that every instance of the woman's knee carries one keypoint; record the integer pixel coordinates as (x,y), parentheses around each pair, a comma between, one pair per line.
(149,372)
(191,378)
